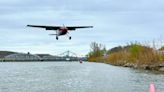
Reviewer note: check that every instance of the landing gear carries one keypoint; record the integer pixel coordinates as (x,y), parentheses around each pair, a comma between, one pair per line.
(57,38)
(70,38)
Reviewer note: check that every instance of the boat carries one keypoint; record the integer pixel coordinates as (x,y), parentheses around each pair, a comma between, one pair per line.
(81,61)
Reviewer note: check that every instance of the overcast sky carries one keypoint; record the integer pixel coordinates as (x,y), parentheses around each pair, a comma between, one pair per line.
(116,22)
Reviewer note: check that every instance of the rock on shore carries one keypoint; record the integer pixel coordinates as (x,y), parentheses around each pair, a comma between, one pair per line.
(156,67)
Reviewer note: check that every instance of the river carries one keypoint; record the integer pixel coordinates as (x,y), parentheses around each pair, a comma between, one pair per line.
(75,77)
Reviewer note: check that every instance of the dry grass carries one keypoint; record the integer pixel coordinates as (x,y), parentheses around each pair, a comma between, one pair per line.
(96,59)
(137,54)
(162,57)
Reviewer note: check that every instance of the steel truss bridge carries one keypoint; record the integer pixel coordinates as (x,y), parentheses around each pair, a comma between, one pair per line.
(65,56)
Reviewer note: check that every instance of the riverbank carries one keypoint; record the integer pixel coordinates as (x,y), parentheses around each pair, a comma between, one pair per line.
(135,55)
(159,67)
(155,67)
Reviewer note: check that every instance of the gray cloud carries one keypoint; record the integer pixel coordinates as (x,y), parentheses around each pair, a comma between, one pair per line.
(115,22)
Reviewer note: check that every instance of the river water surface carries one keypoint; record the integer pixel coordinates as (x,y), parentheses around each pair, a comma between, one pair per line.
(75,77)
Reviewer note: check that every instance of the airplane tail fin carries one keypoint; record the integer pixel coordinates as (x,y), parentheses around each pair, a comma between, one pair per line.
(64,25)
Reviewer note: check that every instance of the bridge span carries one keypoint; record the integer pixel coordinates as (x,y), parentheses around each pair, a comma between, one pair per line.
(65,56)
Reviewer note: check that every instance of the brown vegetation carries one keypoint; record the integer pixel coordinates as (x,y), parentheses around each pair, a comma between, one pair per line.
(135,54)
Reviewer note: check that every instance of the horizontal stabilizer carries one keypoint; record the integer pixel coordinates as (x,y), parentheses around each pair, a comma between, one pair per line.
(52,34)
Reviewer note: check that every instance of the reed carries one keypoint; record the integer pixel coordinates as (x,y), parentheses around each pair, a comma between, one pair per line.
(135,53)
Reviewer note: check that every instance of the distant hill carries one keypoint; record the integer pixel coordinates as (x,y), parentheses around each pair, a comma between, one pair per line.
(5,53)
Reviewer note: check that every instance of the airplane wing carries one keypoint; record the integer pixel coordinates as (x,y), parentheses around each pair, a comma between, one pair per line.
(77,27)
(46,27)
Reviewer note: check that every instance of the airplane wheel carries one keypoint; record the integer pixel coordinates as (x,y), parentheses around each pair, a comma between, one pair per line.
(57,38)
(70,38)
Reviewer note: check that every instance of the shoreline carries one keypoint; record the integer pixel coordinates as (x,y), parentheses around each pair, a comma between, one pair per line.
(153,67)
(39,60)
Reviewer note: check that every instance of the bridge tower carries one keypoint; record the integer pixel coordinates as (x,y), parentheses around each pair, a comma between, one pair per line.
(69,56)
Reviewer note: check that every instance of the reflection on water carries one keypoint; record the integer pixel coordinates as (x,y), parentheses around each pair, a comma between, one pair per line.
(74,77)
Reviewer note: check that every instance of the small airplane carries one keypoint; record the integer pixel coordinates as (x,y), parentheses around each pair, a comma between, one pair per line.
(60,30)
